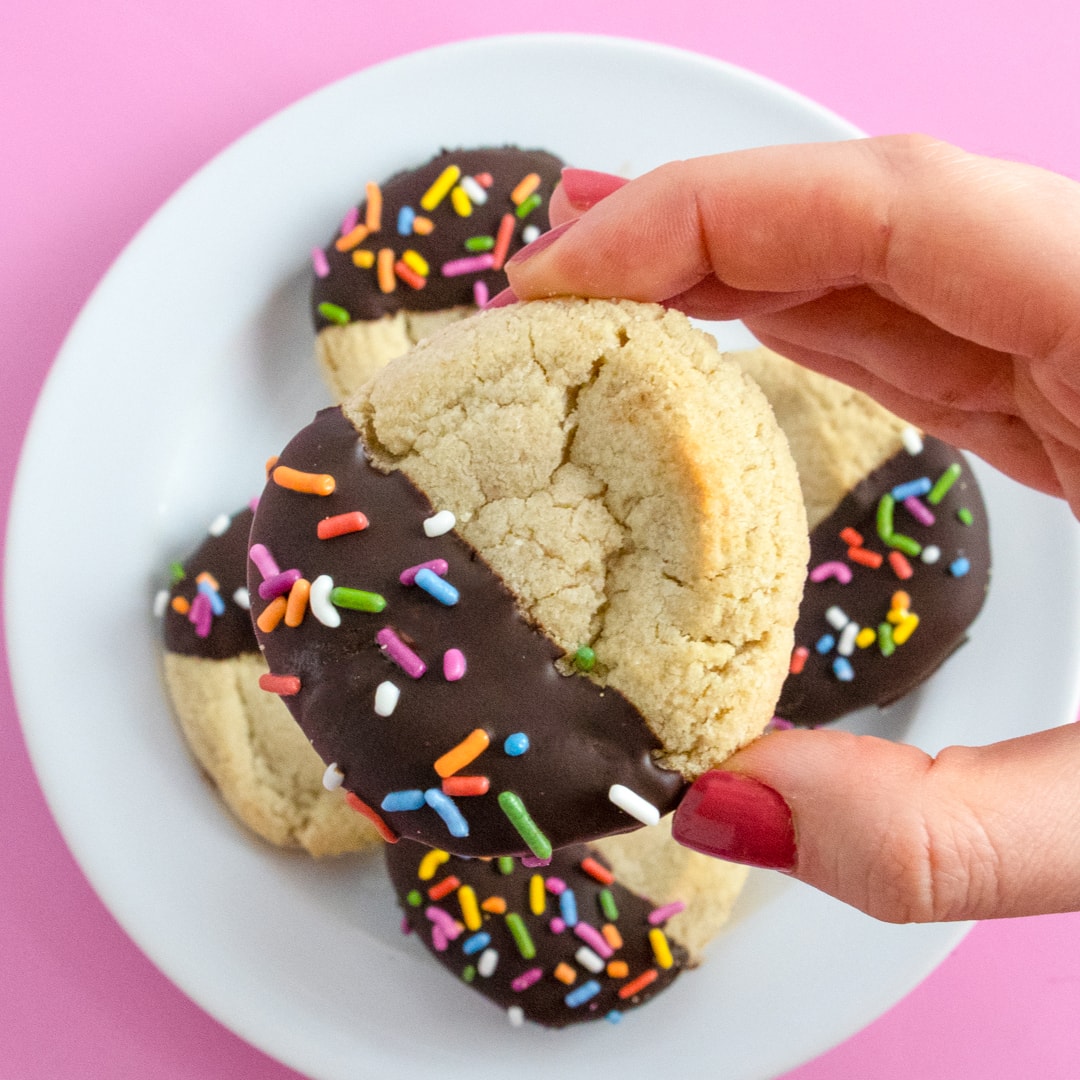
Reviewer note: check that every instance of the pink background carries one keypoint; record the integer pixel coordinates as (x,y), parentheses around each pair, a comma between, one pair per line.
(106,108)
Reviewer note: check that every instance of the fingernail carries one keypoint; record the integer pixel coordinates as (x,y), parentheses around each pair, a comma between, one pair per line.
(502,299)
(542,241)
(734,817)
(584,188)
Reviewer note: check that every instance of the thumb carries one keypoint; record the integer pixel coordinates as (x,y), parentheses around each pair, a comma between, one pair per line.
(974,833)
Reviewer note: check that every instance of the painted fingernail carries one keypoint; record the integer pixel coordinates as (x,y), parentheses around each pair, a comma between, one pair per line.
(734,817)
(584,188)
(502,299)
(544,240)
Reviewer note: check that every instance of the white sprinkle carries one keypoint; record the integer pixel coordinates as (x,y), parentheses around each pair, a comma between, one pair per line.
(836,618)
(220,525)
(475,191)
(333,777)
(439,523)
(589,960)
(930,554)
(242,598)
(530,233)
(319,601)
(912,440)
(516,1015)
(386,698)
(846,644)
(161,602)
(488,962)
(633,804)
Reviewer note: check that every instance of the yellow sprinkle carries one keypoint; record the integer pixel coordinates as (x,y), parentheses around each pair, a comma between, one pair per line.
(415,261)
(363,258)
(906,628)
(537,895)
(422,226)
(612,935)
(564,973)
(431,862)
(385,270)
(180,605)
(439,190)
(462,204)
(496,905)
(526,186)
(896,616)
(661,950)
(352,238)
(866,637)
(373,212)
(618,969)
(470,909)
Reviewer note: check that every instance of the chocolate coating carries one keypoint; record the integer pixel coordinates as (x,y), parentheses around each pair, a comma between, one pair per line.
(582,737)
(225,558)
(355,289)
(945,604)
(545,1000)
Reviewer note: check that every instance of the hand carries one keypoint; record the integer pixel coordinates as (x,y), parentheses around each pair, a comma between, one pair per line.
(947,286)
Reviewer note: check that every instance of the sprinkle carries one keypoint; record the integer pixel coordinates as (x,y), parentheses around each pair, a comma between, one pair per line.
(824,571)
(357,599)
(409,275)
(901,567)
(568,911)
(278,584)
(633,804)
(242,599)
(439,523)
(836,617)
(220,525)
(431,861)
(608,905)
(161,602)
(959,567)
(405,218)
(530,233)
(470,909)
(842,669)
(516,1015)
(414,898)
(319,601)
(297,603)
(495,904)
(454,665)
(400,653)
(386,698)
(865,557)
(363,258)
(468,974)
(465,753)
(488,962)
(530,862)
(422,226)
(964,516)
(866,637)
(415,261)
(353,238)
(667,911)
(217,605)
(912,489)
(373,211)
(525,187)
(474,190)
(304,482)
(660,947)
(514,809)
(778,723)
(904,544)
(436,566)
(319,263)
(272,614)
(565,973)
(554,885)
(438,588)
(919,511)
(201,614)
(944,482)
(439,940)
(502,240)
(479,243)
(333,778)
(384,270)
(906,628)
(846,645)
(596,870)
(824,644)
(520,933)
(396,802)
(442,889)
(584,658)
(912,441)
(447,809)
(646,978)
(506,864)
(618,969)
(440,188)
(851,537)
(885,508)
(585,992)
(284,685)
(466,785)
(885,639)
(263,560)
(484,179)
(593,938)
(341,525)
(930,554)
(471,264)
(589,960)
(537,895)
(798,660)
(362,807)
(476,943)
(612,936)
(516,744)
(348,222)
(460,201)
(528,206)
(557,925)
(481,294)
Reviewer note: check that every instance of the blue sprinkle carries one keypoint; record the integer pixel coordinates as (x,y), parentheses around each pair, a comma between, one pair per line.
(436,586)
(959,567)
(613,1017)
(913,488)
(217,605)
(568,907)
(402,800)
(405,218)
(447,809)
(585,992)
(516,744)
(825,643)
(477,943)
(842,669)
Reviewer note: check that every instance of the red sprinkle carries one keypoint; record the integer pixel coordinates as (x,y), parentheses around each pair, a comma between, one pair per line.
(409,275)
(502,241)
(285,685)
(901,567)
(362,807)
(595,870)
(443,888)
(865,557)
(851,537)
(798,660)
(646,978)
(466,785)
(341,524)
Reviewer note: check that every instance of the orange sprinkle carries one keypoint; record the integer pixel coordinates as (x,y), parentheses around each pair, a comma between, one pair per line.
(901,567)
(270,463)
(384,268)
(373,213)
(409,275)
(565,973)
(422,226)
(618,969)
(444,887)
(851,537)
(296,605)
(865,557)
(304,482)
(901,601)
(353,238)
(526,186)
(646,978)
(341,524)
(466,751)
(595,870)
(180,605)
(209,579)
(272,614)
(612,935)
(363,258)
(502,241)
(495,905)
(466,785)
(362,807)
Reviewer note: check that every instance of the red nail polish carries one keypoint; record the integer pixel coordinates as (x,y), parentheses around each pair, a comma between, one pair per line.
(734,817)
(542,241)
(584,188)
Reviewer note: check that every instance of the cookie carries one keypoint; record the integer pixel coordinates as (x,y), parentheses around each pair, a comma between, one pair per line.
(900,548)
(537,576)
(244,739)
(425,248)
(604,928)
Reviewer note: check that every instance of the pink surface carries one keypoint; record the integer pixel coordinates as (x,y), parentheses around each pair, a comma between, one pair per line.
(107,108)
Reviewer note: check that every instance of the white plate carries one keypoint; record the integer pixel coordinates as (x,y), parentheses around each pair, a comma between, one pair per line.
(189,366)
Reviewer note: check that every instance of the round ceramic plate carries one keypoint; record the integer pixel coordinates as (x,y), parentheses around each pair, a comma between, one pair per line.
(191,364)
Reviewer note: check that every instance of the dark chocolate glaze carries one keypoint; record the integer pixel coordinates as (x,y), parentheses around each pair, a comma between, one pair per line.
(231,633)
(356,289)
(946,604)
(583,738)
(545,1000)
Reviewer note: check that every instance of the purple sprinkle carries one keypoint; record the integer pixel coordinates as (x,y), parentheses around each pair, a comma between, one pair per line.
(279,584)
(480,293)
(594,939)
(840,571)
(436,566)
(526,979)
(532,862)
(473,264)
(778,723)
(319,262)
(405,927)
(350,221)
(400,653)
(919,511)
(201,614)
(444,921)
(662,914)
(453,665)
(555,885)
(263,560)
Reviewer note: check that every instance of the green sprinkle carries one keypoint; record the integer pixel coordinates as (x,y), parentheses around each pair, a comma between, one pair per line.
(514,809)
(904,544)
(585,659)
(480,243)
(529,205)
(608,905)
(356,599)
(885,509)
(965,515)
(944,482)
(333,313)
(176,573)
(885,639)
(506,864)
(469,974)
(520,933)
(414,899)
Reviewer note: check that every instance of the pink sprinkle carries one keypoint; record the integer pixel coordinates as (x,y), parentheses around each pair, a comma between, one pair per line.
(350,221)
(319,262)
(400,653)
(439,941)
(279,584)
(594,939)
(453,664)
(526,979)
(778,723)
(555,885)
(557,925)
(532,862)
(436,566)
(405,927)
(480,293)
(662,914)
(443,921)
(840,571)
(202,615)
(472,264)
(264,561)
(919,510)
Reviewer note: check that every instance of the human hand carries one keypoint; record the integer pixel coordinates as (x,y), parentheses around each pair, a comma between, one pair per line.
(946,286)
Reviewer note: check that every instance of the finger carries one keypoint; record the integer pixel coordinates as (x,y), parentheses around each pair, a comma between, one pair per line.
(973,833)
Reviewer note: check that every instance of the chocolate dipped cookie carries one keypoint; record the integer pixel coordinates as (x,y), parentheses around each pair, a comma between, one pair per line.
(424,248)
(534,578)
(244,739)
